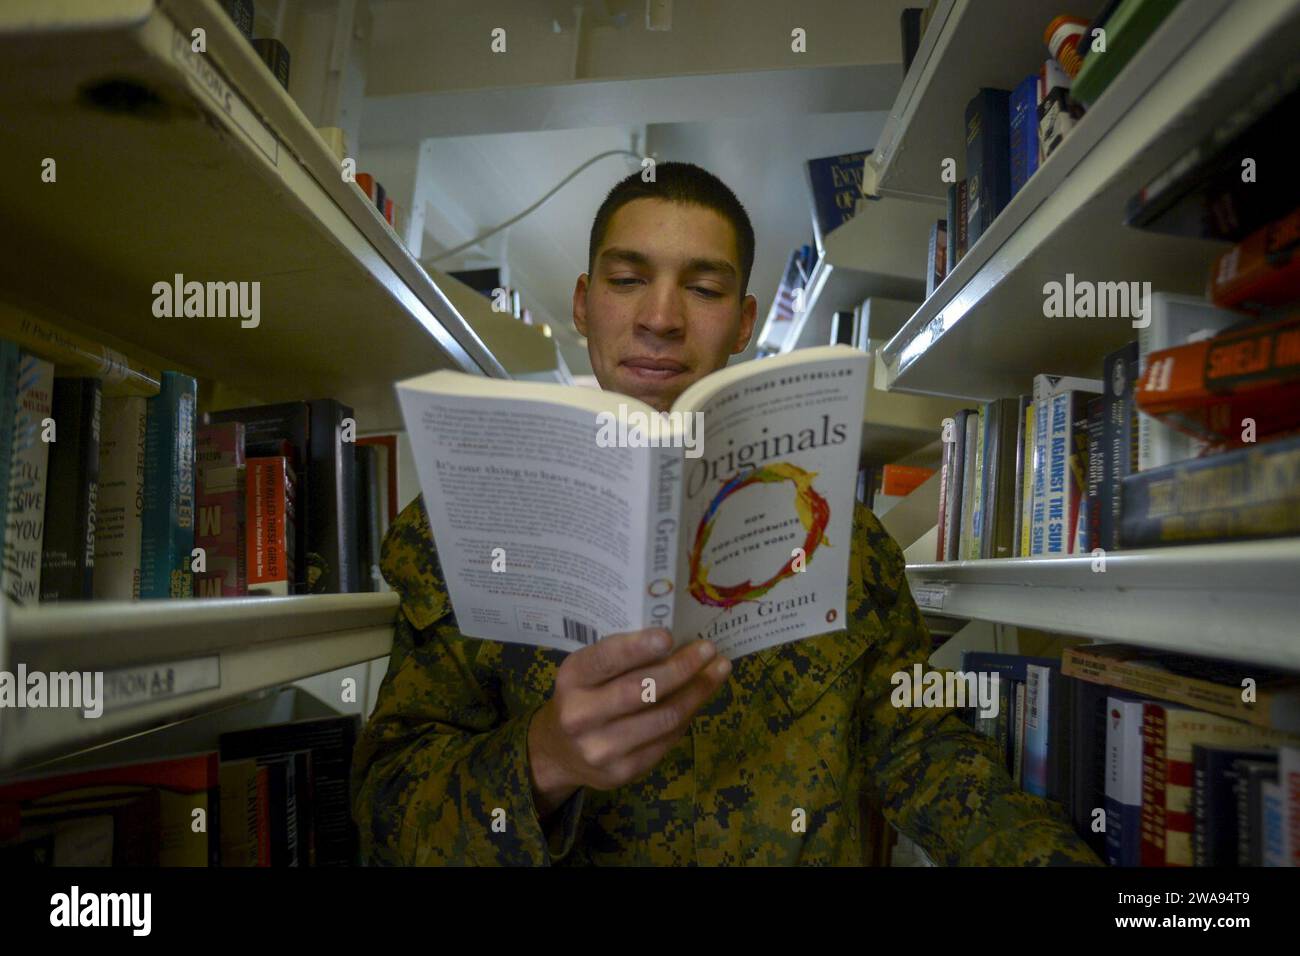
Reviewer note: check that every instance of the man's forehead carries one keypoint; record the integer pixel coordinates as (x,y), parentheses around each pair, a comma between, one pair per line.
(627,233)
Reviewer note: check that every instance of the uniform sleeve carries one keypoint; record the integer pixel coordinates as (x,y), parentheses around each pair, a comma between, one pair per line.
(440,772)
(440,777)
(937,780)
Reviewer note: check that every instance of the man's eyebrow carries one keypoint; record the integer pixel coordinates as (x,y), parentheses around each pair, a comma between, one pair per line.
(692,265)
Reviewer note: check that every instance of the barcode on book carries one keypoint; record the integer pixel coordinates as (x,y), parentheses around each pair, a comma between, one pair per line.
(577,631)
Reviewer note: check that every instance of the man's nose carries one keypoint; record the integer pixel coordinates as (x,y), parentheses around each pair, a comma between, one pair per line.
(661,313)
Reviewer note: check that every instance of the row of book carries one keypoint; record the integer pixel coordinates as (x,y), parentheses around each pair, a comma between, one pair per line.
(122,497)
(271,51)
(1010,133)
(1159,759)
(268,796)
(1191,434)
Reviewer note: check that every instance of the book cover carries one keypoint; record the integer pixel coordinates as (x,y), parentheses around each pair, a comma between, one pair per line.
(988,160)
(71,491)
(1090,536)
(331,512)
(387,448)
(835,184)
(220,489)
(1037,716)
(1213,387)
(269,525)
(119,511)
(1031,465)
(785,431)
(1251,775)
(25,531)
(1288,781)
(950,234)
(167,525)
(1086,756)
(367,547)
(998,520)
(10,359)
(1249,492)
(910,29)
(1272,815)
(936,263)
(970,486)
(946,469)
(1215,780)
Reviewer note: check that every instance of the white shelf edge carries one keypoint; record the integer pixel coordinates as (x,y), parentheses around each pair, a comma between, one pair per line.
(1233,600)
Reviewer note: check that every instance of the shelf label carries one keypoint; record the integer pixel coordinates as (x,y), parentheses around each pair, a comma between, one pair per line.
(131,686)
(206,77)
(929,597)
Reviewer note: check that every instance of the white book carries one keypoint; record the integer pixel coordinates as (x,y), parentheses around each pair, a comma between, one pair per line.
(28,471)
(554,529)
(119,510)
(1123,781)
(1174,320)
(1051,461)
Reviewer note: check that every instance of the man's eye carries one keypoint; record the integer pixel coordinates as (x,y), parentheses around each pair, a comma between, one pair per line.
(707,293)
(624,281)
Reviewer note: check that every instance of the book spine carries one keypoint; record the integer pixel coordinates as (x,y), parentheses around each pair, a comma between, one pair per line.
(988,160)
(1029,453)
(1154,775)
(68,551)
(168,521)
(985,515)
(1018,742)
(10,358)
(1038,499)
(950,236)
(1036,729)
(1057,495)
(1247,493)
(1261,271)
(1119,439)
(1020,530)
(331,511)
(120,508)
(1200,854)
(963,219)
(25,531)
(1077,474)
(957,493)
(974,484)
(220,490)
(1024,132)
(945,489)
(276,56)
(269,526)
(1091,533)
(78,355)
(662,564)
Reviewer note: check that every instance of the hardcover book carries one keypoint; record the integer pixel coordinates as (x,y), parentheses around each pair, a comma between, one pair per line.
(167,537)
(221,490)
(836,186)
(537,499)
(988,160)
(270,525)
(71,490)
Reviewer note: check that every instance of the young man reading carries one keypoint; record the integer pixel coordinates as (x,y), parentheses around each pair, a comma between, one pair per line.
(481,752)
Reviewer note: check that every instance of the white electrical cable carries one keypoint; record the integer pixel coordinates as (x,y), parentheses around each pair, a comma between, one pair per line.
(514,219)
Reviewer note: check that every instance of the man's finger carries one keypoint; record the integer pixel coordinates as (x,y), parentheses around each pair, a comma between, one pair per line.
(616,654)
(670,714)
(628,693)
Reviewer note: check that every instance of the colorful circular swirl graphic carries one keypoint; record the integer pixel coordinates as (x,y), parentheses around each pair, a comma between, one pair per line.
(813,511)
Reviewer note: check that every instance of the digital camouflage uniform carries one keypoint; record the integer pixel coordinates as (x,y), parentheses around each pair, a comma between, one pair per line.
(805,725)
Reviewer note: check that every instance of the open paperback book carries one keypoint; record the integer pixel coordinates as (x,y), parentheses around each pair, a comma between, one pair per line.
(562,514)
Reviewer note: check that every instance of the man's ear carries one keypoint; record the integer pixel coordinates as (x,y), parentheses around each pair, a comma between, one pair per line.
(580,305)
(748,316)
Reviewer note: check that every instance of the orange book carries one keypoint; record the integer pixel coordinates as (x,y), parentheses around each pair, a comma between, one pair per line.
(367,184)
(1212,387)
(1263,270)
(902,480)
(269,526)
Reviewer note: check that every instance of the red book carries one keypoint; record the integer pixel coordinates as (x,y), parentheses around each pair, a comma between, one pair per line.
(388,209)
(1209,388)
(1154,770)
(367,184)
(270,525)
(1263,270)
(219,496)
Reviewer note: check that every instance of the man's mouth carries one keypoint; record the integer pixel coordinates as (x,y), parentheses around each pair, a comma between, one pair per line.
(653,369)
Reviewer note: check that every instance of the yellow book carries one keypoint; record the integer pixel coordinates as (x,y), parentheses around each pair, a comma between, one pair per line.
(76,354)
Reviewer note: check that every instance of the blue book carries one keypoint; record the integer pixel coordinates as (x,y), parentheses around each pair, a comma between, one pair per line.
(988,160)
(1024,131)
(1123,780)
(836,186)
(1037,720)
(167,526)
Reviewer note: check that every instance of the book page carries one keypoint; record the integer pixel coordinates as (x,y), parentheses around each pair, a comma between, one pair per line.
(767,509)
(540,531)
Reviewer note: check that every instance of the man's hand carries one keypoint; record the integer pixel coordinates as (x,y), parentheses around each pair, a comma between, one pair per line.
(596,731)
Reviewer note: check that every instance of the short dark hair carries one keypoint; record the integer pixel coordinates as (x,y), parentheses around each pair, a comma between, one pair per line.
(684,183)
